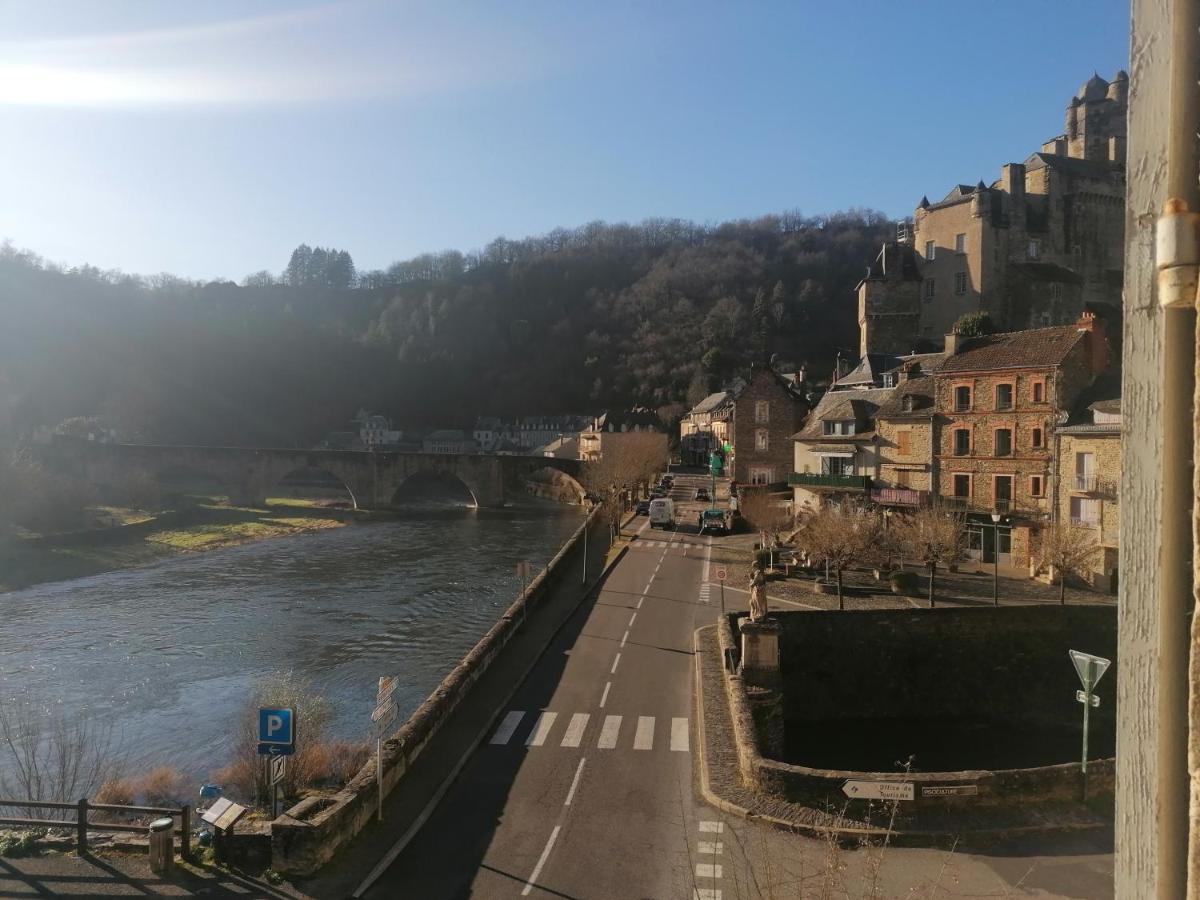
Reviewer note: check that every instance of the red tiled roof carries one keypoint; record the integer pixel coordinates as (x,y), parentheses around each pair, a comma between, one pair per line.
(1040,347)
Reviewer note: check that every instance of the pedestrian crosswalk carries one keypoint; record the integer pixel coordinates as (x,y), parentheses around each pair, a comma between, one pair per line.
(705,592)
(537,729)
(651,544)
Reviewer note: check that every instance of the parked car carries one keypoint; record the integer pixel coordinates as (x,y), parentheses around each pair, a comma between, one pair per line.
(702,494)
(643,508)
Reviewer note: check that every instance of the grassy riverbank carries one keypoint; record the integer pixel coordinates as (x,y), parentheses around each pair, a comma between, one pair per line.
(134,539)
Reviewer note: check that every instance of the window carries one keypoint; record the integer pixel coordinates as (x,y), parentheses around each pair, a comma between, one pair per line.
(1003,446)
(1039,392)
(962,398)
(1036,486)
(1034,249)
(960,282)
(903,478)
(762,411)
(889,379)
(761,475)
(1039,438)
(1085,512)
(1004,396)
(761,439)
(962,486)
(962,442)
(838,426)
(930,250)
(1085,472)
(904,443)
(1056,291)
(930,287)
(960,243)
(837,465)
(1002,488)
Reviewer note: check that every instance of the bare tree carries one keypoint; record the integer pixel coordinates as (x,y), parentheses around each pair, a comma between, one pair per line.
(841,536)
(770,517)
(54,757)
(934,537)
(628,459)
(1068,550)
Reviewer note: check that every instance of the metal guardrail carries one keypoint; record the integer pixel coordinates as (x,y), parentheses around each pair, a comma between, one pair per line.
(83,824)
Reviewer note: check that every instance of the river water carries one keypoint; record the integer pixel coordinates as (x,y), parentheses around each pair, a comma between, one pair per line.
(172,653)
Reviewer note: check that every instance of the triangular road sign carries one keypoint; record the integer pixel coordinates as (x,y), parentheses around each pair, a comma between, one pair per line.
(1085,661)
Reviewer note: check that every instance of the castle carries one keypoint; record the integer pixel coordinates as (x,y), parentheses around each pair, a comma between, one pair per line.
(1037,247)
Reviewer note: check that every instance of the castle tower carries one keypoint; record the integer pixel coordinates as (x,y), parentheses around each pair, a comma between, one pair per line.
(889,302)
(1095,124)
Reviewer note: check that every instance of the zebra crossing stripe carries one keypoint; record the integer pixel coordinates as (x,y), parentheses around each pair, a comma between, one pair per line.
(507,727)
(708,870)
(712,827)
(608,734)
(644,738)
(541,730)
(575,730)
(679,735)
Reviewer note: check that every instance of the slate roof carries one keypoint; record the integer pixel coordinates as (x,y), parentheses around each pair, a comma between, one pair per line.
(920,389)
(840,406)
(1036,348)
(1070,165)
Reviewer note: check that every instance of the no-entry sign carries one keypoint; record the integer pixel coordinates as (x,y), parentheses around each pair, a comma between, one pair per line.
(721,573)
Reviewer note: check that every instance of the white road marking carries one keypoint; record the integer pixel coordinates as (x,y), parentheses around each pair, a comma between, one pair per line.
(604,696)
(625,637)
(679,734)
(575,784)
(541,730)
(640,599)
(631,619)
(608,734)
(706,870)
(707,894)
(646,589)
(507,727)
(712,827)
(716,848)
(644,738)
(537,870)
(574,733)
(613,671)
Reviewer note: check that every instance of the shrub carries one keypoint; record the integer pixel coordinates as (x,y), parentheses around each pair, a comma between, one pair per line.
(904,583)
(15,844)
(116,790)
(163,786)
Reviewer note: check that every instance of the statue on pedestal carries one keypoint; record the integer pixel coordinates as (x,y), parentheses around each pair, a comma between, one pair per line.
(758,595)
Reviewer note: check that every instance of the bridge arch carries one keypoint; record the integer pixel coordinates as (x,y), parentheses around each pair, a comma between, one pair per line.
(553,483)
(313,481)
(433,485)
(181,479)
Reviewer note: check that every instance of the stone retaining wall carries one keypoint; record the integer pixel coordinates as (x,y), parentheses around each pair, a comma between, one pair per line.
(819,787)
(310,833)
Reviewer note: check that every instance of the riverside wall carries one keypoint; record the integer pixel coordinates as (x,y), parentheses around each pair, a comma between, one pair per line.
(312,832)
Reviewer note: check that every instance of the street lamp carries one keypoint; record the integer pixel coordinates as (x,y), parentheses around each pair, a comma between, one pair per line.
(996,517)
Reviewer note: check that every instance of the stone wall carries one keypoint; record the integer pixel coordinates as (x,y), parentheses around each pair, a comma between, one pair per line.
(309,834)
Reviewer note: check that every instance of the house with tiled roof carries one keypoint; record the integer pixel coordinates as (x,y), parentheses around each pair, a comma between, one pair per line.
(998,400)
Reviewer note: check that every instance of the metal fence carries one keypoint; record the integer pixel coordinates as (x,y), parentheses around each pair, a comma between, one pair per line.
(83,823)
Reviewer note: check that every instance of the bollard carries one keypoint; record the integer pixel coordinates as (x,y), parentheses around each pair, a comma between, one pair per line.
(162,846)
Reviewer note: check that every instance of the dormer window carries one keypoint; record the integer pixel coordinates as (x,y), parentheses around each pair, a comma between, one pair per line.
(839,426)
(908,404)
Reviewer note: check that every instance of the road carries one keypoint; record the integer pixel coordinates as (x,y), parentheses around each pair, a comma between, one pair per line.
(586,788)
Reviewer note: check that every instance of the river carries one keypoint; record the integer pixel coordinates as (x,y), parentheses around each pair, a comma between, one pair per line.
(171,653)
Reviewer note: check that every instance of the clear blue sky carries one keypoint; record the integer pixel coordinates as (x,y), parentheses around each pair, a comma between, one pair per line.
(209,139)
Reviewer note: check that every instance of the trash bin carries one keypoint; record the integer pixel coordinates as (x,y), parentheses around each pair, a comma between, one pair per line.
(162,846)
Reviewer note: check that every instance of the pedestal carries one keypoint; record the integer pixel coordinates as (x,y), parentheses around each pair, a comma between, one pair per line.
(760,649)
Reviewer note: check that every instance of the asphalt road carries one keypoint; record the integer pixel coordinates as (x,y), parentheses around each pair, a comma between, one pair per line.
(586,787)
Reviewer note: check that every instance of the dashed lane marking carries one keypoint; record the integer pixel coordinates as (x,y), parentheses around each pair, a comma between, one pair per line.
(604,696)
(625,637)
(616,662)
(575,782)
(507,727)
(537,870)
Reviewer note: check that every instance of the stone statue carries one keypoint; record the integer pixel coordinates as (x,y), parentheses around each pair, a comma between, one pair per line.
(758,595)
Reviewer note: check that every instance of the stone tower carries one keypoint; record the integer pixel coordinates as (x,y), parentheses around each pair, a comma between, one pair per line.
(889,302)
(1095,126)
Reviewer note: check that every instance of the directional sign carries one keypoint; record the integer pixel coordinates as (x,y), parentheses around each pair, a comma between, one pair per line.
(1086,698)
(387,687)
(524,568)
(950,790)
(721,573)
(879,790)
(276,749)
(383,710)
(278,769)
(276,726)
(1090,668)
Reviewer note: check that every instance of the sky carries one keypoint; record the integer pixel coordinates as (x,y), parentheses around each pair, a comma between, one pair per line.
(209,139)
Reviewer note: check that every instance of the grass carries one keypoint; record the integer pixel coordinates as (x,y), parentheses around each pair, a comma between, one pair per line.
(208,524)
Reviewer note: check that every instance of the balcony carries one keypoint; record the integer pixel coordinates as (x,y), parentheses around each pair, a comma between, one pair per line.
(899,497)
(1079,522)
(830,482)
(1087,484)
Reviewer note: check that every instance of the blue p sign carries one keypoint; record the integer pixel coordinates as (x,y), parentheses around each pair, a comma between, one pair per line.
(276,726)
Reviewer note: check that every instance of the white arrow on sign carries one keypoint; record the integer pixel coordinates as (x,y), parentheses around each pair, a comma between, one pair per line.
(1090,668)
(382,710)
(1085,698)
(879,790)
(387,687)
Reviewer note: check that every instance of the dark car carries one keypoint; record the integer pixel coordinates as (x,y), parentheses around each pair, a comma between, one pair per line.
(712,521)
(643,508)
(702,494)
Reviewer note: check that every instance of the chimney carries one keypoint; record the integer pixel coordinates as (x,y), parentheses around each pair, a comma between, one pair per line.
(952,343)
(1096,340)
(908,370)
(1012,179)
(1056,147)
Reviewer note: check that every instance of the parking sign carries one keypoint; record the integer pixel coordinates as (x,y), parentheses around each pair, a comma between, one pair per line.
(276,726)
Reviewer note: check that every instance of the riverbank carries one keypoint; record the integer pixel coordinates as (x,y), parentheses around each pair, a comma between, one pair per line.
(139,540)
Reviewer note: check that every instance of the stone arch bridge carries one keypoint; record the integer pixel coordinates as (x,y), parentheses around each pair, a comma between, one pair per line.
(248,474)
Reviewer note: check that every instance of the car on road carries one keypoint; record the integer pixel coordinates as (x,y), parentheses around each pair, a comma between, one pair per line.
(702,494)
(662,513)
(643,508)
(712,521)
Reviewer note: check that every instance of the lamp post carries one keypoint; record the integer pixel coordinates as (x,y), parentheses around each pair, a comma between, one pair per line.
(996,517)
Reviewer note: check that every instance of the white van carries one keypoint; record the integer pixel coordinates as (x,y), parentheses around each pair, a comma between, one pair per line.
(662,513)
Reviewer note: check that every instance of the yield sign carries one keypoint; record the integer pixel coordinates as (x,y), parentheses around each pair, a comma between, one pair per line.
(1090,668)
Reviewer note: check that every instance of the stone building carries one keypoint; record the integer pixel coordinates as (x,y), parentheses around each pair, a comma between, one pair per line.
(706,427)
(998,400)
(766,413)
(609,431)
(1088,466)
(1035,248)
(904,425)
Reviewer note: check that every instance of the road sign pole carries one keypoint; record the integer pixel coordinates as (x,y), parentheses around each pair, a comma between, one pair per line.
(274,791)
(379,774)
(722,599)
(1087,703)
(583,577)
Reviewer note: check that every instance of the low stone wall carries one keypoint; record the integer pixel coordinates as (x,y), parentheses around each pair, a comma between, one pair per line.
(820,787)
(310,833)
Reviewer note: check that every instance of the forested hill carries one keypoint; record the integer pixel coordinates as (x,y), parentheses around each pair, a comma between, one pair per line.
(601,316)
